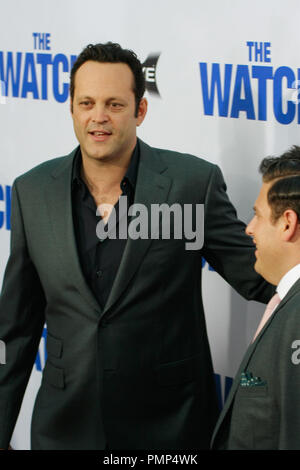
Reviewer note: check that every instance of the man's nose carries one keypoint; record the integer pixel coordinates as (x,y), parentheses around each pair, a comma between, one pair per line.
(249,228)
(100,114)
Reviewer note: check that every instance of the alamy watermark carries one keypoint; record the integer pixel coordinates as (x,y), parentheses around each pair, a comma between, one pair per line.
(2,352)
(295,358)
(162,221)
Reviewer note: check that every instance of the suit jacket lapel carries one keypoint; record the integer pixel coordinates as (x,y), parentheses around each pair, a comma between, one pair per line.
(249,353)
(152,187)
(59,206)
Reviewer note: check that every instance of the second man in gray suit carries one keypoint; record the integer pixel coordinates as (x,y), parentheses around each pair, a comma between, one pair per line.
(262,410)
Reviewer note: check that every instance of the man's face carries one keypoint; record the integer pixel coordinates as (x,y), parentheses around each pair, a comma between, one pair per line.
(266,236)
(104,111)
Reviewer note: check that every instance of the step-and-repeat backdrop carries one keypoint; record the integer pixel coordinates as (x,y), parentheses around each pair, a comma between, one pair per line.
(222,83)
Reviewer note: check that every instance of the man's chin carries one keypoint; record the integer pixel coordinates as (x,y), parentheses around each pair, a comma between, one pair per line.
(256,267)
(98,156)
(267,275)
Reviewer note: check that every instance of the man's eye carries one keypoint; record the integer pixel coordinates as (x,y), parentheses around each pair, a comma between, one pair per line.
(116,105)
(85,103)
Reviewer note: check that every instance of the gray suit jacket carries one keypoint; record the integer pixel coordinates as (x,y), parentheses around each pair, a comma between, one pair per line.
(136,374)
(266,415)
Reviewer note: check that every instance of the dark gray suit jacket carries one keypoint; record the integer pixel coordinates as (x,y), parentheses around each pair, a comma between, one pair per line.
(267,415)
(137,374)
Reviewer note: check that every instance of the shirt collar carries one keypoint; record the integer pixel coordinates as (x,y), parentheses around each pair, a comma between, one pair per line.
(76,178)
(130,175)
(288,280)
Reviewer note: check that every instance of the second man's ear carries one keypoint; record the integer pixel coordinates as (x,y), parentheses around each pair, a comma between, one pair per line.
(290,224)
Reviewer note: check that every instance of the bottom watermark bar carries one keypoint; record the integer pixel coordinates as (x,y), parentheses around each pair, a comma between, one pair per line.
(150,459)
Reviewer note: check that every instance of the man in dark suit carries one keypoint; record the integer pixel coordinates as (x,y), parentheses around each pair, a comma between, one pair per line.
(262,410)
(128,360)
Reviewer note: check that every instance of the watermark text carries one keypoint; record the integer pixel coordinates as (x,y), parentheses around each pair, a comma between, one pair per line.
(161,221)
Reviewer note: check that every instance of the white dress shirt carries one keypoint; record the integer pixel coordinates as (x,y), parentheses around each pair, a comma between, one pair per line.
(287,281)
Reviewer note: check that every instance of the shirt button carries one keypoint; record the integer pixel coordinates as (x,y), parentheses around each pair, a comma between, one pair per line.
(99,273)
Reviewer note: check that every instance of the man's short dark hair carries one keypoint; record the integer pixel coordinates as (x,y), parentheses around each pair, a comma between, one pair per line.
(287,164)
(112,53)
(285,192)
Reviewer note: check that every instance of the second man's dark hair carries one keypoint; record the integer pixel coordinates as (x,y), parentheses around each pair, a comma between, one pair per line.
(285,171)
(287,164)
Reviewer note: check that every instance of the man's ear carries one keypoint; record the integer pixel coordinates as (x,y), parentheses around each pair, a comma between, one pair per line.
(142,111)
(290,225)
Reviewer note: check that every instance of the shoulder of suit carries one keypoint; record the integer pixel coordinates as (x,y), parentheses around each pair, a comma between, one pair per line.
(179,163)
(288,317)
(44,170)
(285,334)
(174,158)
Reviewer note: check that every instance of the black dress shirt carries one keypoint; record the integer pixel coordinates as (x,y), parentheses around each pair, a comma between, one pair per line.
(100,259)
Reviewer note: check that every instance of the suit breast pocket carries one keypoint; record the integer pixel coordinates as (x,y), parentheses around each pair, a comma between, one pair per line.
(253,391)
(166,247)
(168,256)
(179,372)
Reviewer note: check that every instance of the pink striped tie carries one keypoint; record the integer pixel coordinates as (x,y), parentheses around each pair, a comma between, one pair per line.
(273,302)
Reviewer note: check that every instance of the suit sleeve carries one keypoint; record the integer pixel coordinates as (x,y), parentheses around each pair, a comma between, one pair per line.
(227,248)
(22,306)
